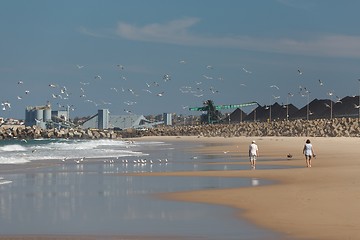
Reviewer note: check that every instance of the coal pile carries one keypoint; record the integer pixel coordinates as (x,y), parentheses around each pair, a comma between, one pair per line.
(317,109)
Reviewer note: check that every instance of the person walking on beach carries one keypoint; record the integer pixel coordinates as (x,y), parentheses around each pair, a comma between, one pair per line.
(253,154)
(308,150)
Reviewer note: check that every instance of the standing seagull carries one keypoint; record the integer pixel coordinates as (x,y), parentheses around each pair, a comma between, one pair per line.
(321,82)
(299,71)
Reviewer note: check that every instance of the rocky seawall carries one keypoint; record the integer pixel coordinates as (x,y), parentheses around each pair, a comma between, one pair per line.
(338,127)
(21,132)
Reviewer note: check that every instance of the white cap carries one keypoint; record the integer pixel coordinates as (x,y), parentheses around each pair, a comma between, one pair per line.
(253,141)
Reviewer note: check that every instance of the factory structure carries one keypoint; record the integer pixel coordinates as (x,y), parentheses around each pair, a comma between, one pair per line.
(44,117)
(103,120)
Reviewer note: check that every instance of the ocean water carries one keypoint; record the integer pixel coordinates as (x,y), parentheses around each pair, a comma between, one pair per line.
(90,197)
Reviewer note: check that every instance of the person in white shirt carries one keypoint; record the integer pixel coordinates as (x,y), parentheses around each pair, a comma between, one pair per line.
(253,154)
(308,151)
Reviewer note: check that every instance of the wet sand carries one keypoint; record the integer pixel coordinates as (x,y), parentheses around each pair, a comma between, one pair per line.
(321,202)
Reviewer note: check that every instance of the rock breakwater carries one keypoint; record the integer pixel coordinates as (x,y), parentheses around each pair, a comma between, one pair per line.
(338,127)
(21,132)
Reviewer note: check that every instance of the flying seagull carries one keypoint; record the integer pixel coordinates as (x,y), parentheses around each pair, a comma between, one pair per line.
(274,86)
(247,71)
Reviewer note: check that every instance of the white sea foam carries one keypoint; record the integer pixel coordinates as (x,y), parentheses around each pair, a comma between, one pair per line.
(58,149)
(12,148)
(2,182)
(12,160)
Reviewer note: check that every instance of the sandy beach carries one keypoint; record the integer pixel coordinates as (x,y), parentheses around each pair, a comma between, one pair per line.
(305,203)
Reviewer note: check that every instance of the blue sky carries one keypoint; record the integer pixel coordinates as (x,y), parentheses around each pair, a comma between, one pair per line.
(229,51)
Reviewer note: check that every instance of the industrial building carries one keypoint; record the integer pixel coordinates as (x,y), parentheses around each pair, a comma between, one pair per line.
(44,117)
(103,120)
(38,116)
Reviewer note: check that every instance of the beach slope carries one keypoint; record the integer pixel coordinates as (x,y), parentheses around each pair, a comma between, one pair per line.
(321,202)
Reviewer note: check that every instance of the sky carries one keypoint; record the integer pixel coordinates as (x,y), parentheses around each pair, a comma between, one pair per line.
(164,56)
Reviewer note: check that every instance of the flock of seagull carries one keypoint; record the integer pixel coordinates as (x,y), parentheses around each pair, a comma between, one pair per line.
(201,88)
(70,99)
(140,161)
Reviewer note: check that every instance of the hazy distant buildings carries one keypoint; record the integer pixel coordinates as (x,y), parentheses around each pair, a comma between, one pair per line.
(103,120)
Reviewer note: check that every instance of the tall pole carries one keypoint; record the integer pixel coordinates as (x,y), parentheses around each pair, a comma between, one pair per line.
(287,105)
(287,108)
(68,113)
(331,104)
(307,106)
(270,110)
(240,115)
(359,102)
(331,108)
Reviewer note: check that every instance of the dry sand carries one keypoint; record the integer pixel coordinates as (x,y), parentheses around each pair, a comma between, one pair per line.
(321,202)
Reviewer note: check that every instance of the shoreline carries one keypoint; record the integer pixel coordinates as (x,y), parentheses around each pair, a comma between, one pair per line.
(305,203)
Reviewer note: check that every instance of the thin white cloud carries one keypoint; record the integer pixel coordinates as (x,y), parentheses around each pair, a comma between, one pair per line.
(175,32)
(91,33)
(303,4)
(178,32)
